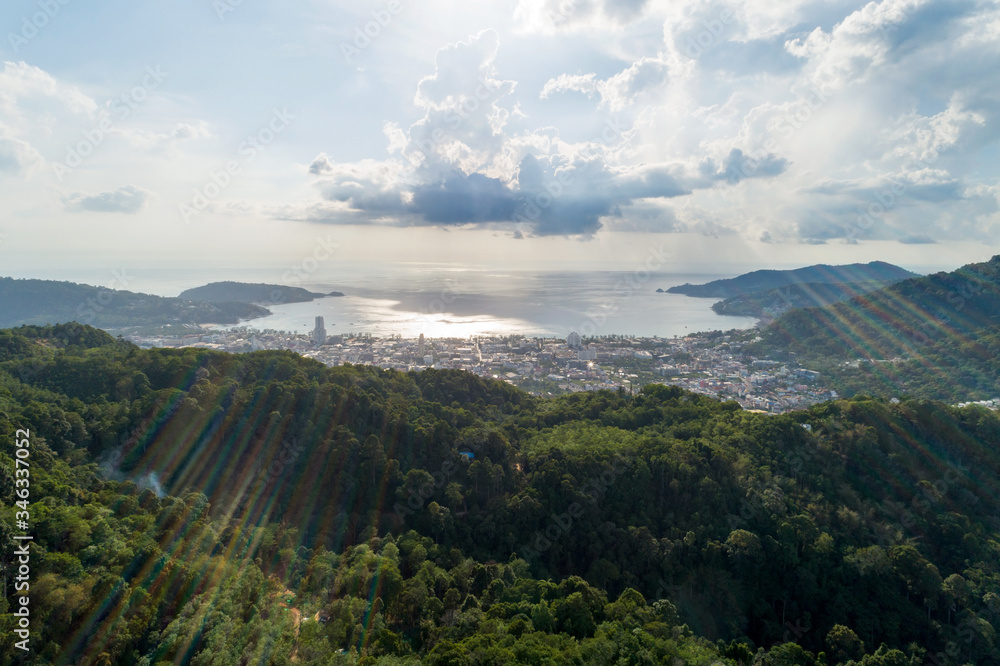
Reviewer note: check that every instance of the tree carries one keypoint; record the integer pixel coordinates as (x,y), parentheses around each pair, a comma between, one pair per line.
(844,644)
(372,457)
(541,617)
(744,550)
(788,654)
(574,617)
(957,593)
(441,520)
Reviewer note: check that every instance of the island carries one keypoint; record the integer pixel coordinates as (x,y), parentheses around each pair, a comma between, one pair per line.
(242,292)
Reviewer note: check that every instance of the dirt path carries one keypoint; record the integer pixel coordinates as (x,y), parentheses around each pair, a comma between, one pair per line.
(296,618)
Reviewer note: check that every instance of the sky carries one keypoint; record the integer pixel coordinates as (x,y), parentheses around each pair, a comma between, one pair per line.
(532,133)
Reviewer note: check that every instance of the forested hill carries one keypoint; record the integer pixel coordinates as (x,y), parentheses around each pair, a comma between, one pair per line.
(876,271)
(934,336)
(48,302)
(441,518)
(241,292)
(768,303)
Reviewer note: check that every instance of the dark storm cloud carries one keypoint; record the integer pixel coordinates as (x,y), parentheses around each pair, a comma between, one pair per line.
(549,196)
(738,167)
(563,199)
(461,199)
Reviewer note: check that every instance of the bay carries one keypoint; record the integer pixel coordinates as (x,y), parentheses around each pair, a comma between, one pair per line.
(461,302)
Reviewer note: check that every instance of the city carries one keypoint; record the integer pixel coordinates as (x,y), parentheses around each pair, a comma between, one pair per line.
(707,363)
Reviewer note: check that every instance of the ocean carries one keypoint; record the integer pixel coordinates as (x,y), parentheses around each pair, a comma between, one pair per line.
(463,301)
(448,300)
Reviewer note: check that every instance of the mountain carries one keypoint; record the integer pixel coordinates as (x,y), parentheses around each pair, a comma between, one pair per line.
(933,336)
(241,292)
(47,302)
(771,303)
(876,271)
(192,506)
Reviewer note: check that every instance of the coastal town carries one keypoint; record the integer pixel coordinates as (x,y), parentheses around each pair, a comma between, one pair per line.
(708,363)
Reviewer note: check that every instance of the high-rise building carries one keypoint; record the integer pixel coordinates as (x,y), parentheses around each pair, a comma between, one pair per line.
(573,340)
(420,346)
(319,333)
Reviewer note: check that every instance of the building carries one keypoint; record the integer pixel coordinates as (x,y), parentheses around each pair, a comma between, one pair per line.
(421,349)
(573,340)
(319,333)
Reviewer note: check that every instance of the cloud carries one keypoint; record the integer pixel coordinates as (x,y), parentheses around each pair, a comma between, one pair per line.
(585,83)
(321,165)
(459,69)
(323,212)
(738,166)
(396,136)
(917,239)
(162,140)
(894,190)
(35,107)
(187,132)
(464,118)
(616,92)
(17,157)
(464,199)
(26,90)
(548,195)
(787,123)
(128,199)
(549,16)
(779,121)
(435,172)
(918,138)
(371,186)
(460,164)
